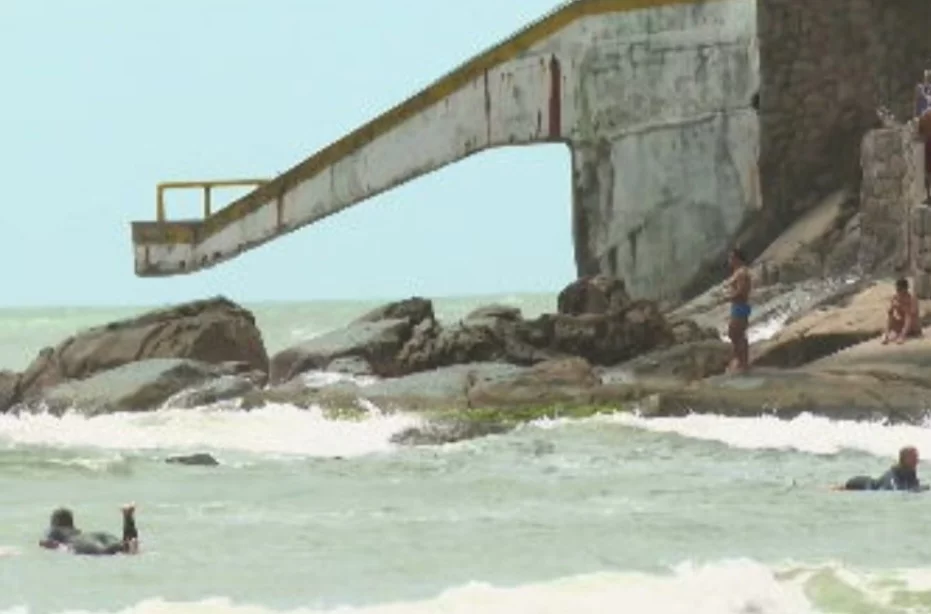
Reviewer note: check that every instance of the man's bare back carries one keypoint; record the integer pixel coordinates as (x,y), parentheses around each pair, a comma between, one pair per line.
(740,285)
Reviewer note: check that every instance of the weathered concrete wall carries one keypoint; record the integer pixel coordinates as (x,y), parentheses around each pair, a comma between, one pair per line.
(826,66)
(665,147)
(654,103)
(893,183)
(921,250)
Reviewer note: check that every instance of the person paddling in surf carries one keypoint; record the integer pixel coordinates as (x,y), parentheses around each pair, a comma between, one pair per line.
(739,286)
(63,534)
(901,476)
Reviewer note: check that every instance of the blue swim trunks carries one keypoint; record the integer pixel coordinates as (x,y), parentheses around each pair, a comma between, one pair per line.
(740,311)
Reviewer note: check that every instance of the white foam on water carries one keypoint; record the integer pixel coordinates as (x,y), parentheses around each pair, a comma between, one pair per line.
(319,379)
(764,331)
(728,587)
(805,433)
(275,429)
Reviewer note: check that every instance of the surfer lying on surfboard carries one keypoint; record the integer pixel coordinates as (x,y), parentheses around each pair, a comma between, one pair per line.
(63,534)
(901,476)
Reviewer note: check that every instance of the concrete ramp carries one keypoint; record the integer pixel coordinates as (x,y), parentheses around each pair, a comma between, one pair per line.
(652,97)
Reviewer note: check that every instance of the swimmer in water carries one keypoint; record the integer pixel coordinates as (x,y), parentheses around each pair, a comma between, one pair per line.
(63,534)
(902,476)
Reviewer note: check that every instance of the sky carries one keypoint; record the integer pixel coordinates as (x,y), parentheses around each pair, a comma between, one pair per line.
(102,99)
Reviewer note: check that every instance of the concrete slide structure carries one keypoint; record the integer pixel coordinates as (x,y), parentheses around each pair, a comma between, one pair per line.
(653,98)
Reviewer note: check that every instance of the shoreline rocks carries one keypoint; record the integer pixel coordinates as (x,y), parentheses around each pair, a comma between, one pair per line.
(493,369)
(138,363)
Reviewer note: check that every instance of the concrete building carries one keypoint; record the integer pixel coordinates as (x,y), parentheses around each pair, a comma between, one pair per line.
(692,125)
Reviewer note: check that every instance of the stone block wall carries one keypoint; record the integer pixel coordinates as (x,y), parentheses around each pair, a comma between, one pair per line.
(825,67)
(893,184)
(921,250)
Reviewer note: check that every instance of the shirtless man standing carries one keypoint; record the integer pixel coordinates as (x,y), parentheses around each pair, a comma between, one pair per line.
(902,317)
(739,285)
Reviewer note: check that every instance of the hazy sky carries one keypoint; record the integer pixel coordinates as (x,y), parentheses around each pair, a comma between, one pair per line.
(101,99)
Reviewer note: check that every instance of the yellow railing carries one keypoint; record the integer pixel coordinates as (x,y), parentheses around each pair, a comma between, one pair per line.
(206,186)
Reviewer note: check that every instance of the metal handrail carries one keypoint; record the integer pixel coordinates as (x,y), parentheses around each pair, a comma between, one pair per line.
(206,186)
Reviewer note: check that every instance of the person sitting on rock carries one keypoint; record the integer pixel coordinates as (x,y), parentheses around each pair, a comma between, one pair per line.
(903,319)
(902,476)
(62,534)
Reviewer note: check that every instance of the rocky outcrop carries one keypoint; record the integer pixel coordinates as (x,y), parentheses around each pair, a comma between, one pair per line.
(137,386)
(788,393)
(593,294)
(597,322)
(138,362)
(557,382)
(686,362)
(212,331)
(835,325)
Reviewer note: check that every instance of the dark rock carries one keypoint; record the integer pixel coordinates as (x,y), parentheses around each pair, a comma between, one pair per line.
(376,342)
(212,331)
(448,431)
(350,365)
(489,314)
(792,392)
(137,386)
(563,381)
(443,388)
(688,331)
(686,362)
(597,294)
(200,459)
(610,338)
(414,310)
(395,347)
(9,390)
(223,388)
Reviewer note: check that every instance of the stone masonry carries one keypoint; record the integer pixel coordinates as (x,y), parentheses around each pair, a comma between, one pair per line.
(825,67)
(892,184)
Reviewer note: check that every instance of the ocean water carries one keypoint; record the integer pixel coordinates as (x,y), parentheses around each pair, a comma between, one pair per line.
(618,513)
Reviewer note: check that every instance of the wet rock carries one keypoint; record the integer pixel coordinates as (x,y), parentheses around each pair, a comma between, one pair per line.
(211,331)
(200,459)
(837,324)
(608,339)
(686,362)
(137,386)
(790,393)
(568,381)
(9,390)
(689,331)
(414,310)
(377,343)
(350,365)
(224,388)
(448,431)
(597,294)
(490,314)
(417,342)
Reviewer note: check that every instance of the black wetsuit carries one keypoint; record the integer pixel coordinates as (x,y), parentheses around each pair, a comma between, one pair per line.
(897,478)
(94,543)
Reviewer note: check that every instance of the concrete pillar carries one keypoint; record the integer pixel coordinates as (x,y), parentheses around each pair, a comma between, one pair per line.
(893,183)
(921,250)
